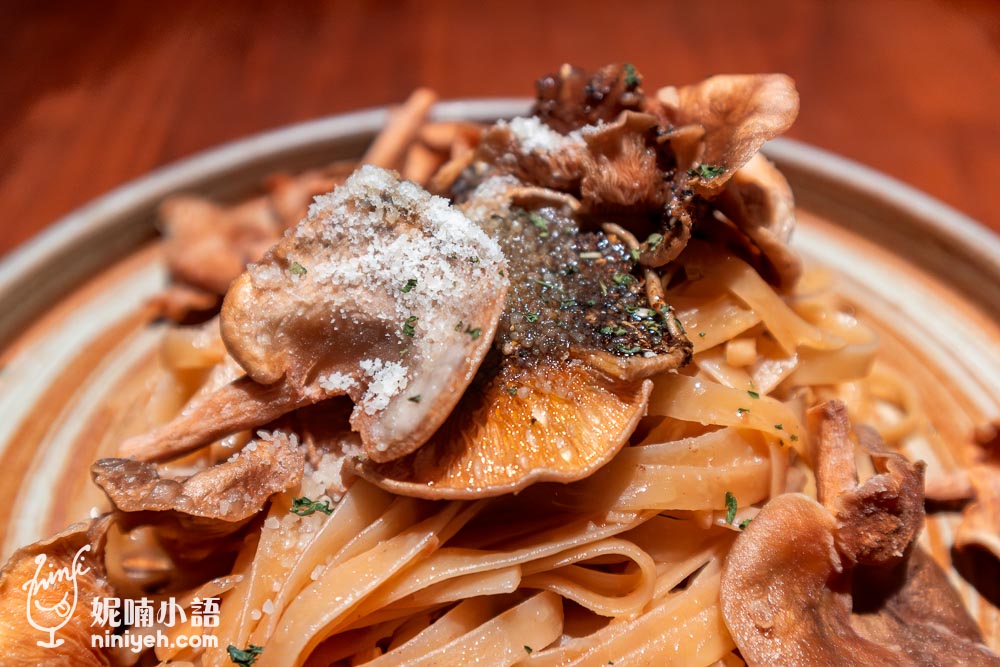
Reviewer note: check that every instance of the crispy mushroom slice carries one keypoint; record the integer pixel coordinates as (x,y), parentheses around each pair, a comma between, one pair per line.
(232,491)
(555,422)
(759,201)
(787,600)
(208,246)
(980,526)
(572,98)
(363,298)
(843,582)
(62,603)
(738,113)
(192,514)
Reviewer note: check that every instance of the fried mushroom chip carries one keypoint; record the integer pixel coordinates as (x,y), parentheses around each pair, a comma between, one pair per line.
(841,581)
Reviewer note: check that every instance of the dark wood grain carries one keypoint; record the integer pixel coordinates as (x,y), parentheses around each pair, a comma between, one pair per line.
(94,94)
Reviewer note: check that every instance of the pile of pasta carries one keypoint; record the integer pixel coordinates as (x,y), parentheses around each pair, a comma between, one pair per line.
(625,566)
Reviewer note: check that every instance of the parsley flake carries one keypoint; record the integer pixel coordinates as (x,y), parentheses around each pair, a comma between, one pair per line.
(793,437)
(631,76)
(744,523)
(540,223)
(304,506)
(473,333)
(528,649)
(654,240)
(701,334)
(297,269)
(408,329)
(730,507)
(779,427)
(742,411)
(752,394)
(414,399)
(531,317)
(244,657)
(410,284)
(707,171)
(622,278)
(545,283)
(512,390)
(634,252)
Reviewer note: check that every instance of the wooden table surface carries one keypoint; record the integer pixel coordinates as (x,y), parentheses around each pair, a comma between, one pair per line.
(95,94)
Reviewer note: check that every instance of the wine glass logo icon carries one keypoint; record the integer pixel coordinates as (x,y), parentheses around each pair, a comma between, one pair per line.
(43,614)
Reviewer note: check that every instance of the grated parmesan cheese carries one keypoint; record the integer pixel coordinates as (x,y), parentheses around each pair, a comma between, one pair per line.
(535,136)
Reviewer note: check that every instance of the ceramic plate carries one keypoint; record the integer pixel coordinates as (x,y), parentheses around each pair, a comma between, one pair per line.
(79,347)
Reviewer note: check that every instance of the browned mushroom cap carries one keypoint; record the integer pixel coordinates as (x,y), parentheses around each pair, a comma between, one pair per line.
(555,422)
(79,550)
(738,113)
(759,201)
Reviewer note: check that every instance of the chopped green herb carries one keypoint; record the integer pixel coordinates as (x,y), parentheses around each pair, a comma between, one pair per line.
(741,411)
(779,427)
(604,288)
(528,649)
(793,437)
(512,390)
(410,284)
(414,399)
(631,76)
(634,252)
(730,507)
(752,394)
(473,333)
(629,350)
(297,269)
(654,240)
(701,334)
(531,317)
(622,278)
(540,223)
(408,329)
(474,259)
(707,171)
(680,326)
(567,303)
(744,523)
(501,273)
(304,506)
(458,327)
(244,657)
(545,283)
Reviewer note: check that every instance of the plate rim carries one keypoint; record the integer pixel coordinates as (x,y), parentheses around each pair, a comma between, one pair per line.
(110,217)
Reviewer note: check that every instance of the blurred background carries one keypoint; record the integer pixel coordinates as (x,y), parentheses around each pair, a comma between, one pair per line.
(93,94)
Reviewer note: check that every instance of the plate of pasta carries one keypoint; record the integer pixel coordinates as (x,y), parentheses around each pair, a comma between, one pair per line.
(614,376)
